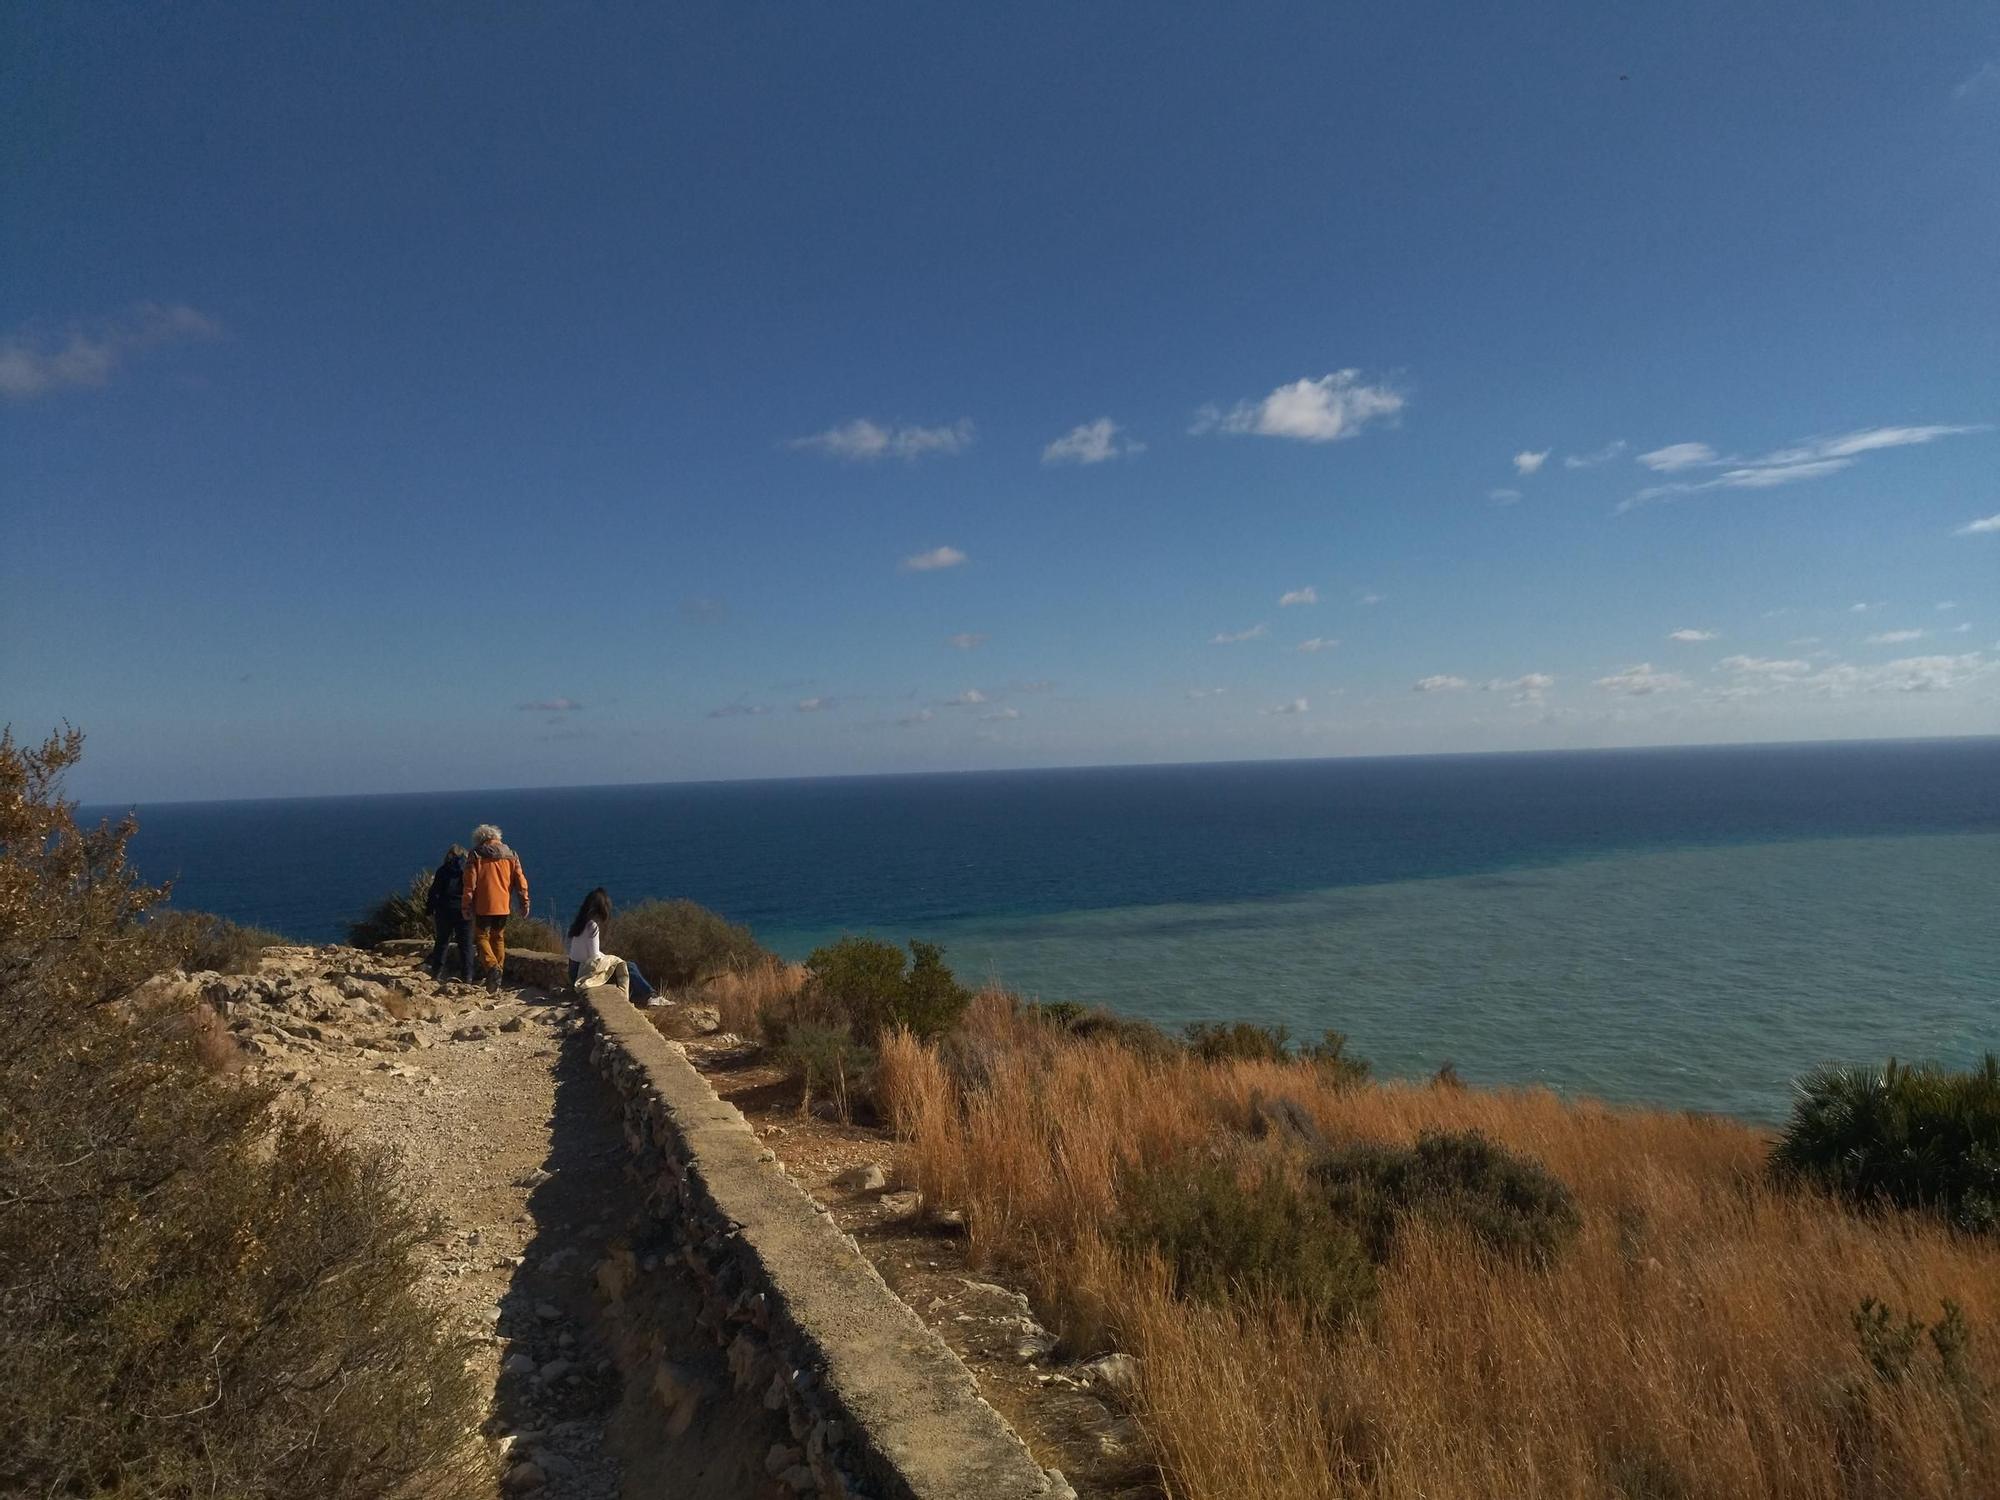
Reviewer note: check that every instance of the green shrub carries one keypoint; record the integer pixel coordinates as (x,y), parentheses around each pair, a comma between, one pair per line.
(533,935)
(195,940)
(197,1297)
(1330,1055)
(400,914)
(863,983)
(826,1059)
(678,943)
(1237,1041)
(1511,1205)
(1226,1230)
(1912,1137)
(1100,1024)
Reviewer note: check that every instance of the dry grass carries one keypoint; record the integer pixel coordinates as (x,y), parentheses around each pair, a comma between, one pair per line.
(1696,1340)
(741,997)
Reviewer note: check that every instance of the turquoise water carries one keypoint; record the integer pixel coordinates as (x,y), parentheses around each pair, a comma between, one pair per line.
(1690,927)
(1701,979)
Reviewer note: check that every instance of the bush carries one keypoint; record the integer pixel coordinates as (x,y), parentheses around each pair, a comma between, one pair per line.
(826,1058)
(195,1297)
(1511,1205)
(400,914)
(1913,1137)
(533,935)
(195,940)
(862,982)
(677,943)
(1229,1230)
(1237,1041)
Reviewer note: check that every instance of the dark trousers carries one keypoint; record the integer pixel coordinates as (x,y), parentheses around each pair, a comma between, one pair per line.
(450,927)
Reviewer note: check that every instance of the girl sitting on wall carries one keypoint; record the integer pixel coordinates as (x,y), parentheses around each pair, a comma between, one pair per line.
(589,963)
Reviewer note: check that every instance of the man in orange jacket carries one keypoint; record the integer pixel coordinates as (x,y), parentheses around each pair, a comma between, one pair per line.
(492,876)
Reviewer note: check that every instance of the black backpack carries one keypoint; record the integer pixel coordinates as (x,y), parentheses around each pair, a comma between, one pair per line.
(448,886)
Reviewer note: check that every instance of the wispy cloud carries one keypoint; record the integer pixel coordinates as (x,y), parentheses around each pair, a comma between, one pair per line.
(1690,635)
(1895,637)
(1613,449)
(1319,643)
(1812,459)
(1758,677)
(1233,637)
(1984,526)
(1325,410)
(863,441)
(1861,608)
(966,699)
(1765,666)
(83,356)
(1946,604)
(966,640)
(931,561)
(1295,706)
(1442,682)
(550,706)
(1000,713)
(1641,681)
(1985,79)
(1526,462)
(1207,692)
(910,721)
(814,705)
(1504,496)
(1306,595)
(1092,443)
(738,711)
(1371,599)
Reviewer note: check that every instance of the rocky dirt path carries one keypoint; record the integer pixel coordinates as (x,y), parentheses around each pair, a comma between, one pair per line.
(488,1104)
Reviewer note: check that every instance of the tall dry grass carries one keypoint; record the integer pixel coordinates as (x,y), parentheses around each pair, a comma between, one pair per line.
(741,996)
(1696,1340)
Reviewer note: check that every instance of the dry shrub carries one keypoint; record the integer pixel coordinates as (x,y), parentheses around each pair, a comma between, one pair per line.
(741,997)
(195,1298)
(1695,1336)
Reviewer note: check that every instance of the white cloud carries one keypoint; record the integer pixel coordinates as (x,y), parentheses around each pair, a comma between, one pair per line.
(1813,459)
(814,705)
(1641,681)
(966,640)
(921,716)
(1961,627)
(1001,713)
(738,711)
(1318,643)
(1760,677)
(1307,595)
(1092,443)
(1526,689)
(1690,635)
(1210,692)
(1372,599)
(1895,637)
(1946,604)
(1677,456)
(1861,608)
(1803,640)
(550,706)
(1504,497)
(863,441)
(1296,706)
(1984,526)
(1311,411)
(931,561)
(1527,463)
(1232,637)
(1764,666)
(1604,455)
(965,699)
(1443,682)
(89,356)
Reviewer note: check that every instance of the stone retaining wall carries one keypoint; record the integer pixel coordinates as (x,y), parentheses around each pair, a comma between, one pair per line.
(879,1406)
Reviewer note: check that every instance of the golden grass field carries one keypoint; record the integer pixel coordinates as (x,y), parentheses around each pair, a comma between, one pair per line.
(1697,1338)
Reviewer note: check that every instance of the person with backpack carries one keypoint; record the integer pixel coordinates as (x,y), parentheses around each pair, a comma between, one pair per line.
(446,907)
(491,879)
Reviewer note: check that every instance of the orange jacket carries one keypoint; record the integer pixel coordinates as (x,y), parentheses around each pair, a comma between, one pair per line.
(492,876)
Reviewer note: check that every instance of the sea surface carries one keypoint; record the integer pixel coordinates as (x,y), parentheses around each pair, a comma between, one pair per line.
(1688,927)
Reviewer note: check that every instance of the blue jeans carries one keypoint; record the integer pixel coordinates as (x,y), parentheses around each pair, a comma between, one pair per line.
(447,928)
(639,991)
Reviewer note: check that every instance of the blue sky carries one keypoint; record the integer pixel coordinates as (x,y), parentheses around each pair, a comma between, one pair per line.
(402,397)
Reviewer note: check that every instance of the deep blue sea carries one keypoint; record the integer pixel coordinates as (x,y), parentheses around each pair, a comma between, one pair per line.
(1690,927)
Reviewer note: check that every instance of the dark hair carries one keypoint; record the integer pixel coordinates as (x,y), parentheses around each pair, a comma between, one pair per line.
(596,908)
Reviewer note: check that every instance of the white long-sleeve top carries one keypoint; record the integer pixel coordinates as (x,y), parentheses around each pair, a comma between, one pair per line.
(586,947)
